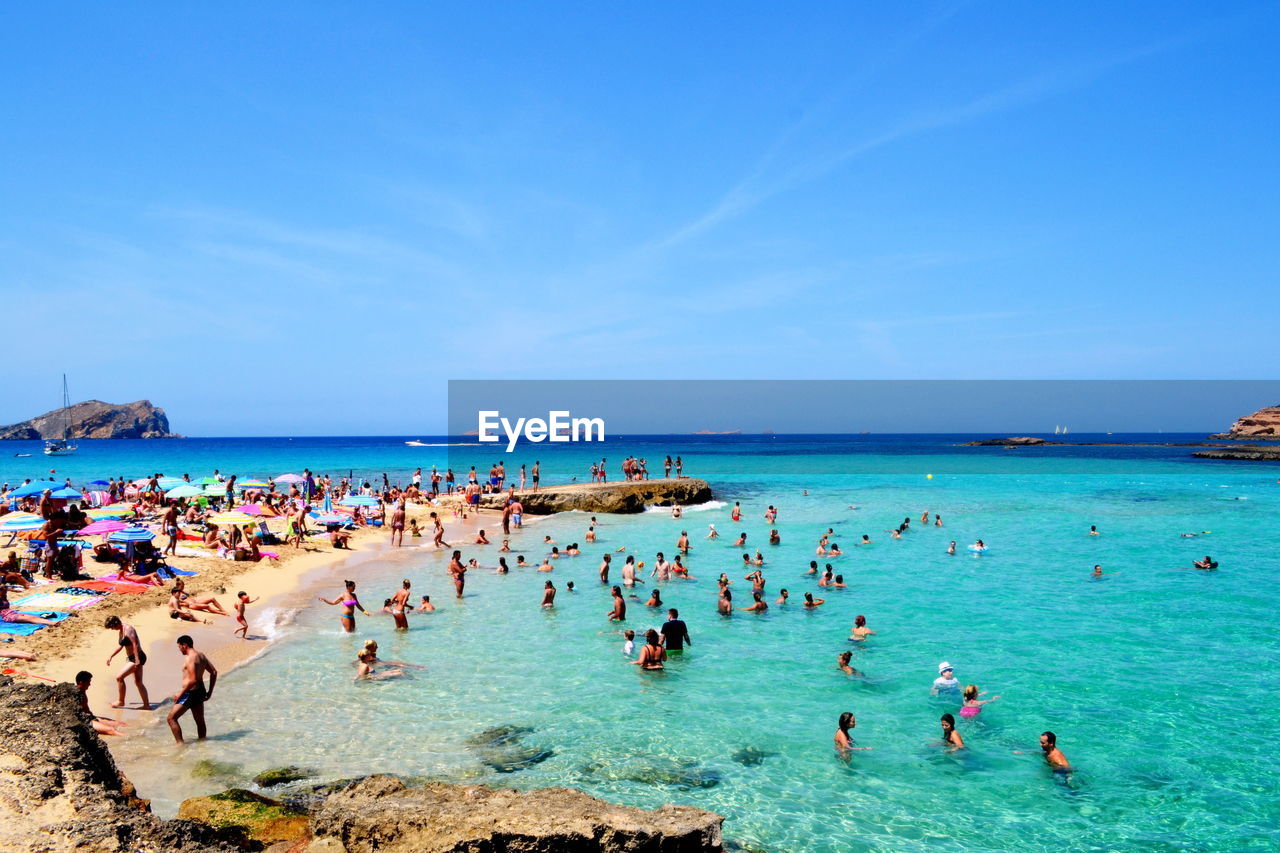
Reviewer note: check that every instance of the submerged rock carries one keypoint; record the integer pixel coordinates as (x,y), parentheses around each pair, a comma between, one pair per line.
(207,768)
(381,814)
(750,756)
(500,749)
(651,770)
(281,776)
(243,816)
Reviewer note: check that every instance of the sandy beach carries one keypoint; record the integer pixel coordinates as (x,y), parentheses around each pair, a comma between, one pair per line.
(281,586)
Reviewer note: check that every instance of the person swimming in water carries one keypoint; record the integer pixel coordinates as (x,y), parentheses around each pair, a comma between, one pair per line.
(972,704)
(811,602)
(860,630)
(549,595)
(758,605)
(619,611)
(951,549)
(950,737)
(783,595)
(1052,755)
(653,654)
(842,663)
(1207,563)
(655,599)
(844,740)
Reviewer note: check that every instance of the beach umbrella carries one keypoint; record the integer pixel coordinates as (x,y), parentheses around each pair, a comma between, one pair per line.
(329,518)
(290,478)
(104,526)
(133,534)
(207,481)
(250,509)
(167,483)
(10,524)
(35,488)
(112,511)
(186,490)
(359,500)
(252,484)
(215,491)
(141,481)
(233,518)
(67,494)
(99,483)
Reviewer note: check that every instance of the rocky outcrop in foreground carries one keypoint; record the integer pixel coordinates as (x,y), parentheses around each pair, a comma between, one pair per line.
(60,791)
(623,496)
(1262,424)
(381,814)
(95,419)
(1247,452)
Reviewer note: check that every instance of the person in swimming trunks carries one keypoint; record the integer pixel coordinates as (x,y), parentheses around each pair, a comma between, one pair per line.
(972,704)
(137,658)
(192,695)
(950,737)
(783,595)
(757,605)
(619,611)
(350,603)
(1052,755)
(400,606)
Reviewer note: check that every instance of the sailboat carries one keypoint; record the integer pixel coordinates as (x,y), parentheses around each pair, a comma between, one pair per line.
(1057,430)
(62,446)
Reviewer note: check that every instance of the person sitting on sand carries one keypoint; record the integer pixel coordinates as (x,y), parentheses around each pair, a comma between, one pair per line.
(205,603)
(177,610)
(101,725)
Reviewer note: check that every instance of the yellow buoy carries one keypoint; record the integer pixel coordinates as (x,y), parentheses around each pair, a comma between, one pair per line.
(928,476)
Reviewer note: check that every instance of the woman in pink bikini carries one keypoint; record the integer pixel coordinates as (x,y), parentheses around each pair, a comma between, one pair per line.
(349,605)
(972,704)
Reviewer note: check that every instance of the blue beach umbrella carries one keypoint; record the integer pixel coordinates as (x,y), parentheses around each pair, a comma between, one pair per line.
(359,500)
(167,483)
(19,525)
(67,494)
(99,483)
(35,488)
(133,534)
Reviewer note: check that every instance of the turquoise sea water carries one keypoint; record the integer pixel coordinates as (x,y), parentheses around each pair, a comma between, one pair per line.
(1157,679)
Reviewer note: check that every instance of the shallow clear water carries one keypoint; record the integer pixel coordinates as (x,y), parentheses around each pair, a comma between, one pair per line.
(1156,679)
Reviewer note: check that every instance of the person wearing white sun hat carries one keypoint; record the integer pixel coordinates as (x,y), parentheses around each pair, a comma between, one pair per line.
(946,680)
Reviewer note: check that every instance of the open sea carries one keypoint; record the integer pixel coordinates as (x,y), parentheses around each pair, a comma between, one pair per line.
(1158,680)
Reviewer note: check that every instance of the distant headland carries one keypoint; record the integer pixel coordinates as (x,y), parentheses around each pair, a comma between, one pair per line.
(94,419)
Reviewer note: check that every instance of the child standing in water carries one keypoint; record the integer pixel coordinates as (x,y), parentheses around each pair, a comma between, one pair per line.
(972,704)
(242,601)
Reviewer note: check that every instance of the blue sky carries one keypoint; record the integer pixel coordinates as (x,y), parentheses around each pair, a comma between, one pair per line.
(301,218)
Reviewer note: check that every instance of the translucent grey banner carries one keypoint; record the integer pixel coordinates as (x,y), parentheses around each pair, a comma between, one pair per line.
(821,427)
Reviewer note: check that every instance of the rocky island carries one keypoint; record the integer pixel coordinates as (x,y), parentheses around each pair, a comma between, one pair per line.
(61,791)
(94,419)
(1262,424)
(624,496)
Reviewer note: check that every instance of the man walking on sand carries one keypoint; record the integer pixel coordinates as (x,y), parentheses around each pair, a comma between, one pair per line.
(397,524)
(192,695)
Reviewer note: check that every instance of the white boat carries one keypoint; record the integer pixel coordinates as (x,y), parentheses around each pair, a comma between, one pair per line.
(416,444)
(62,446)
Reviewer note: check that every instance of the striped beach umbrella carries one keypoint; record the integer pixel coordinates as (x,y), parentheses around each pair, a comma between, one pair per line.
(186,490)
(17,522)
(167,483)
(329,518)
(290,478)
(133,534)
(232,518)
(252,484)
(215,491)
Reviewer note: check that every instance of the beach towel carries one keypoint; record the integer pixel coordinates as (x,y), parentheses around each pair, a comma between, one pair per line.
(26,629)
(118,587)
(170,572)
(42,601)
